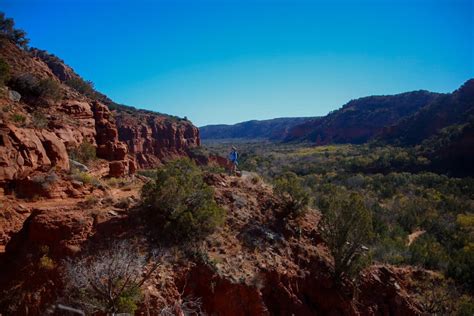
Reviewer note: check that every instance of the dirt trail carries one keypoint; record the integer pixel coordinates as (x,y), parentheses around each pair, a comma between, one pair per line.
(413,236)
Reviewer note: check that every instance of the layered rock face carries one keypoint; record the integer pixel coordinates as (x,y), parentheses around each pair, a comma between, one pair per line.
(362,119)
(57,66)
(152,139)
(24,150)
(81,124)
(141,140)
(108,145)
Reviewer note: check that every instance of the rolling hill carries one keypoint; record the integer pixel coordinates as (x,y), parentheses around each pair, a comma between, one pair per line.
(273,129)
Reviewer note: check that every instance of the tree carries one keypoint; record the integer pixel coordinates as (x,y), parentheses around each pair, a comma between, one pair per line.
(295,197)
(346,226)
(8,31)
(179,205)
(108,281)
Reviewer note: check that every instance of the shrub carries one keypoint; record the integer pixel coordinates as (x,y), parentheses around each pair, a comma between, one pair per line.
(39,120)
(82,86)
(86,178)
(24,83)
(180,204)
(4,72)
(109,280)
(46,263)
(29,85)
(291,190)
(439,296)
(83,177)
(46,180)
(426,250)
(85,153)
(465,306)
(149,173)
(346,226)
(90,201)
(48,89)
(18,118)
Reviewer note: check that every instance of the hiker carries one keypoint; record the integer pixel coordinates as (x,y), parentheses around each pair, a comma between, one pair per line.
(233,156)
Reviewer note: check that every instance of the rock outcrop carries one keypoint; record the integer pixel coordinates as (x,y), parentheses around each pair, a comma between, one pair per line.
(362,119)
(256,264)
(48,128)
(108,145)
(57,65)
(24,150)
(153,138)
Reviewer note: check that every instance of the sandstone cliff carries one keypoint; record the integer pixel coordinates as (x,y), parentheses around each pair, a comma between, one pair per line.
(151,138)
(362,119)
(37,129)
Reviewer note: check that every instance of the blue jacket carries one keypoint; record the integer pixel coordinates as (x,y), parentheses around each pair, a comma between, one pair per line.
(233,156)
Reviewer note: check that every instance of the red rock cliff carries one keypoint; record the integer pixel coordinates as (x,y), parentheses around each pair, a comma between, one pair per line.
(152,138)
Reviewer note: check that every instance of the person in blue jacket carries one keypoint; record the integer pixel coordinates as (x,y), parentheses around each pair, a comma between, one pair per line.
(233,156)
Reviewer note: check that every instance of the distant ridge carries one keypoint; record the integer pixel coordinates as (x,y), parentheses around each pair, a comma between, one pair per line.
(272,129)
(360,120)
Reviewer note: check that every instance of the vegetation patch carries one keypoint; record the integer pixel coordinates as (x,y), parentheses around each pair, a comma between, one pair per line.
(4,72)
(398,190)
(31,86)
(108,280)
(18,118)
(179,205)
(9,32)
(85,153)
(292,192)
(346,227)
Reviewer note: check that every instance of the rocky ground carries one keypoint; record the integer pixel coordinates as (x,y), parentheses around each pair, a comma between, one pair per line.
(256,264)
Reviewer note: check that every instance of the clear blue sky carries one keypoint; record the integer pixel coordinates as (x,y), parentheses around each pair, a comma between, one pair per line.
(229,61)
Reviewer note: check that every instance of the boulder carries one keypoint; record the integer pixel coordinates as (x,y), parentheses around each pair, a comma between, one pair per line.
(77,165)
(118,168)
(59,230)
(14,96)
(25,150)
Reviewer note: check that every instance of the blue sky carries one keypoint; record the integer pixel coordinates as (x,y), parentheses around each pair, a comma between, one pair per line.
(228,61)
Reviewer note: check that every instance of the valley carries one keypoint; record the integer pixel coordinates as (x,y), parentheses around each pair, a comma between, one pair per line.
(109,209)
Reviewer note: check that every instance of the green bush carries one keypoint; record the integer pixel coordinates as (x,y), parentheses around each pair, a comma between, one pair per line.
(29,85)
(127,302)
(4,72)
(85,153)
(346,226)
(18,118)
(86,178)
(48,89)
(179,204)
(8,31)
(465,306)
(426,250)
(291,190)
(46,263)
(82,86)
